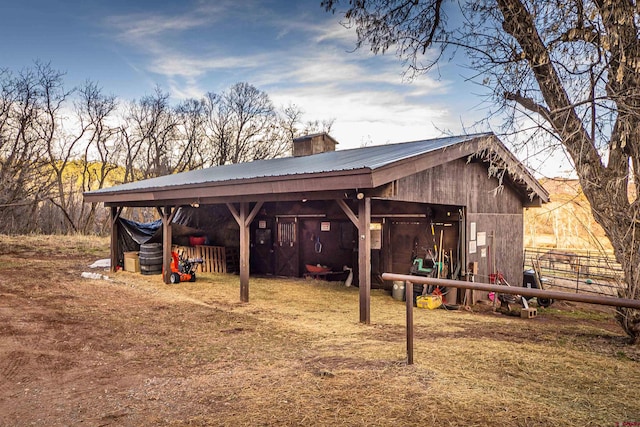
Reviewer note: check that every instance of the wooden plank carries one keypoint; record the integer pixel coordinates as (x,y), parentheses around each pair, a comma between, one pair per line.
(347,210)
(519,290)
(234,212)
(221,257)
(401,169)
(167,215)
(115,214)
(244,252)
(202,252)
(218,199)
(214,259)
(268,186)
(253,213)
(186,251)
(364,259)
(409,305)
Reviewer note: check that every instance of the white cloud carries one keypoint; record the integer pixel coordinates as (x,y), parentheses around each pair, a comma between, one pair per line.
(178,64)
(308,60)
(368,115)
(141,28)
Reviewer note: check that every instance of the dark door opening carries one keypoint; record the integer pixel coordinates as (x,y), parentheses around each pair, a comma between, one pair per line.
(262,249)
(286,248)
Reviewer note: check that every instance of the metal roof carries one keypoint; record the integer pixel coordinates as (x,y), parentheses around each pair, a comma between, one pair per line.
(369,158)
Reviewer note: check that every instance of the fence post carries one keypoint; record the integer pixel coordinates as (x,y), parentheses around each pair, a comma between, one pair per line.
(409,299)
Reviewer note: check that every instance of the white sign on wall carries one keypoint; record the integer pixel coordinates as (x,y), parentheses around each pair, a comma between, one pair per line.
(482,238)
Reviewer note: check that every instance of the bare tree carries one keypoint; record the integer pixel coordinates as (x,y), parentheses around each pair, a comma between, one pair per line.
(293,126)
(131,149)
(290,120)
(571,67)
(189,151)
(242,125)
(56,143)
(101,153)
(24,178)
(218,130)
(315,126)
(61,144)
(148,134)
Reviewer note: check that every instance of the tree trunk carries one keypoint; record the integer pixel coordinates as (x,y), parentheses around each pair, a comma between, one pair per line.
(605,187)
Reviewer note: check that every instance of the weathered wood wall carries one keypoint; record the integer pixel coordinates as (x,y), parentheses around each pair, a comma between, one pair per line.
(333,247)
(496,211)
(435,195)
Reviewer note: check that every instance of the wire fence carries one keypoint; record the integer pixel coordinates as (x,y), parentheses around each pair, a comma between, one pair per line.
(589,272)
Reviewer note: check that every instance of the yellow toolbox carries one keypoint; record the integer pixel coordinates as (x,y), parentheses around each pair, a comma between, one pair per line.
(429,301)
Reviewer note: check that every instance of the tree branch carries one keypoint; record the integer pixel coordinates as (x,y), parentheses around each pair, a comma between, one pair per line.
(529,104)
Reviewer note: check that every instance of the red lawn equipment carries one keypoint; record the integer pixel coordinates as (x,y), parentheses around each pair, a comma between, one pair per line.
(183,269)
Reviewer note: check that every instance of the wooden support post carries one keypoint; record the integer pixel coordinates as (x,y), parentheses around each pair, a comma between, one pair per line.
(244,219)
(364,258)
(363,222)
(409,299)
(244,253)
(115,214)
(167,237)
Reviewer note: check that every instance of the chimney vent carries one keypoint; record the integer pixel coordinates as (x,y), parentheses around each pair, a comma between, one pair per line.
(313,144)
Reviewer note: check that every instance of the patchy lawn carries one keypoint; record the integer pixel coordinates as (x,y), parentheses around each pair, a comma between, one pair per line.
(132,351)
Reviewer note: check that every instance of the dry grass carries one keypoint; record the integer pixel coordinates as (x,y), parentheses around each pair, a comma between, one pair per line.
(134,351)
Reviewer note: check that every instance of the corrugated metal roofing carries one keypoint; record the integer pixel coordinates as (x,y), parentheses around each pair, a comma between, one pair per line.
(371,158)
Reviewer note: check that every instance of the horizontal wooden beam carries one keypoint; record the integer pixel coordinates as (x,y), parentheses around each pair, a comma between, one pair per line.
(253,189)
(514,290)
(290,197)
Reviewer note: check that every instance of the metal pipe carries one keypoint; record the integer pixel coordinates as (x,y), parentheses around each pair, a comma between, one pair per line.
(527,292)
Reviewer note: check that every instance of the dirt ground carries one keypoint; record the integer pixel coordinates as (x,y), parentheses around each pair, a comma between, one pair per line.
(132,351)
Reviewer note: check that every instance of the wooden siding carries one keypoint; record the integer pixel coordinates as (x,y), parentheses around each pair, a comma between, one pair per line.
(504,246)
(497,211)
(459,183)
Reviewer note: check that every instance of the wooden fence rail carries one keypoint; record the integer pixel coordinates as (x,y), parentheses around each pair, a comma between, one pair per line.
(527,292)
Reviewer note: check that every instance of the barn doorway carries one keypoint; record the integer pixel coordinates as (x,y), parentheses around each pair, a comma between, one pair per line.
(287,247)
(262,247)
(437,240)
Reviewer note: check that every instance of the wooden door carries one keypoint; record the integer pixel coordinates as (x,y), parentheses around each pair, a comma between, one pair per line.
(408,240)
(287,247)
(262,251)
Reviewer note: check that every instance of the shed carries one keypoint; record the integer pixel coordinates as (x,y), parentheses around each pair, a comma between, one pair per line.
(373,209)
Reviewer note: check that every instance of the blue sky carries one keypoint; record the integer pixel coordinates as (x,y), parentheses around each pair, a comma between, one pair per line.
(292,50)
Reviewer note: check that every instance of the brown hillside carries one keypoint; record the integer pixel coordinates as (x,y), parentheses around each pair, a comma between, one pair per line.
(565,222)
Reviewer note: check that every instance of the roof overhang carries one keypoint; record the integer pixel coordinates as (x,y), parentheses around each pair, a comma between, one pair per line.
(280,188)
(374,182)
